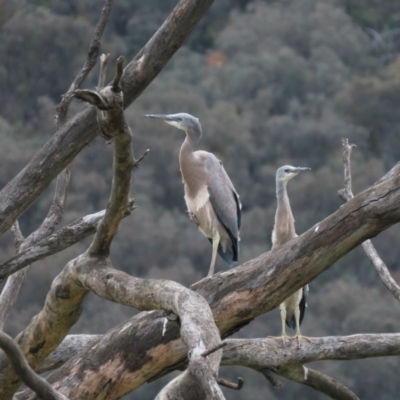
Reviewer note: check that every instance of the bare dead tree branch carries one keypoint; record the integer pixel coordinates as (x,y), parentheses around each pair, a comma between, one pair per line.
(71,346)
(17,235)
(346,194)
(58,241)
(112,125)
(93,271)
(318,381)
(271,378)
(231,385)
(43,389)
(91,59)
(242,293)
(13,286)
(208,352)
(80,130)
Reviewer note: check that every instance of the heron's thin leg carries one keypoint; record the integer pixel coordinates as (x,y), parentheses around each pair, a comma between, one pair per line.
(215,243)
(283,319)
(297,318)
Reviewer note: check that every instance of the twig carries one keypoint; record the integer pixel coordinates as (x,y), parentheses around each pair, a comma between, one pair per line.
(116,83)
(140,159)
(271,378)
(346,194)
(56,210)
(214,349)
(103,70)
(93,52)
(42,388)
(231,385)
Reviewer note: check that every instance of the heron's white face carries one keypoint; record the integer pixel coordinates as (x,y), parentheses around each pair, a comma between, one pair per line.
(182,121)
(287,172)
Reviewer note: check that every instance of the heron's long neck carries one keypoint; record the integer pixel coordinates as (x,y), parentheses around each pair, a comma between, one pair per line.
(188,145)
(188,164)
(284,221)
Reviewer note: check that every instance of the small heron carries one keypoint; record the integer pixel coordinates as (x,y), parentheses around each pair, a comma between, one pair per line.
(293,308)
(212,201)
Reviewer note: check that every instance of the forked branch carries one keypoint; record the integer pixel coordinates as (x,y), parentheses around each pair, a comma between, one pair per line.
(346,194)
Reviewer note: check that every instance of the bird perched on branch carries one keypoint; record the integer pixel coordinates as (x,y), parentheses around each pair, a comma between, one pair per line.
(212,201)
(293,308)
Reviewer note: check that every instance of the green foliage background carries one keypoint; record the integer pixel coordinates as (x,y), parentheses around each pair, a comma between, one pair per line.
(296,76)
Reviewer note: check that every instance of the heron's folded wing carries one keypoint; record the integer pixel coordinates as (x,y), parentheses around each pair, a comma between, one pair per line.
(223,195)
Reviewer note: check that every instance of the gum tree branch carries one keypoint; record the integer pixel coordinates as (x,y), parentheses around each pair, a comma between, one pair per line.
(57,207)
(346,194)
(80,130)
(58,241)
(93,271)
(90,62)
(71,346)
(319,381)
(11,288)
(112,125)
(236,296)
(41,387)
(198,330)
(54,216)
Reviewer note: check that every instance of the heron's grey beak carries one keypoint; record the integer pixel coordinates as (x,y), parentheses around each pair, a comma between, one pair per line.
(164,117)
(303,169)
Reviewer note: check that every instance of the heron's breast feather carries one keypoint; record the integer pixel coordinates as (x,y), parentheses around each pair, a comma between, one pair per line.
(198,201)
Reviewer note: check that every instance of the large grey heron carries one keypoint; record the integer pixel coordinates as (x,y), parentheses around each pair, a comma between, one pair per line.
(293,308)
(212,201)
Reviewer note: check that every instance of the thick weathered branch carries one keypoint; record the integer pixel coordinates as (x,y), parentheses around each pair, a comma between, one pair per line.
(319,381)
(346,194)
(62,239)
(71,346)
(238,295)
(43,389)
(270,353)
(113,125)
(196,328)
(80,130)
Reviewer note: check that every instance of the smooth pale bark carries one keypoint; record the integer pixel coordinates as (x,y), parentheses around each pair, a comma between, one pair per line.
(236,296)
(80,130)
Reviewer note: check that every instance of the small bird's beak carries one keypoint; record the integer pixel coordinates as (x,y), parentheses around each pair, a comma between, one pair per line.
(164,117)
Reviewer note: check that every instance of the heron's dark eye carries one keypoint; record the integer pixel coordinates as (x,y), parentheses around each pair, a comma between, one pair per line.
(286,170)
(178,118)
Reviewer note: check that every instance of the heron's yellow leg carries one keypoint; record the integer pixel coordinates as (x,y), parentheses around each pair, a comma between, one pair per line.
(215,243)
(298,333)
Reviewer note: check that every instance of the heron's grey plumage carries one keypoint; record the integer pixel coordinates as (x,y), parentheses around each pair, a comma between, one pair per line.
(210,196)
(293,308)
